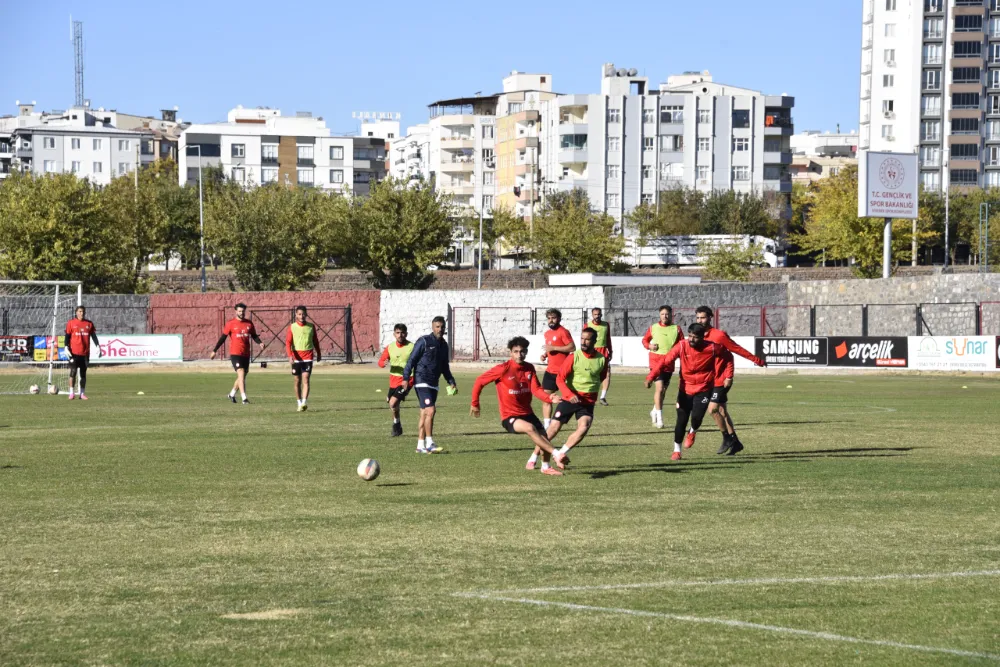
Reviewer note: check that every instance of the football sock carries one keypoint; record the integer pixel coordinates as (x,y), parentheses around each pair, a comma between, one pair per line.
(563,449)
(243,396)
(533,459)
(545,466)
(420,444)
(395,420)
(604,393)
(430,441)
(232,393)
(546,423)
(690,430)
(677,447)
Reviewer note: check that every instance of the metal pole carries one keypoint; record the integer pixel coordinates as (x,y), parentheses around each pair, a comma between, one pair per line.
(479,259)
(887,249)
(55,341)
(947,191)
(201,220)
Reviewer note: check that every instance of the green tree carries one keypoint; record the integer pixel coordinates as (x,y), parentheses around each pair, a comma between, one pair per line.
(733,262)
(571,238)
(681,212)
(398,231)
(731,212)
(512,232)
(180,232)
(140,220)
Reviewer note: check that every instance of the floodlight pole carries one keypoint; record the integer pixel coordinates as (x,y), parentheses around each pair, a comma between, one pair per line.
(479,259)
(201,218)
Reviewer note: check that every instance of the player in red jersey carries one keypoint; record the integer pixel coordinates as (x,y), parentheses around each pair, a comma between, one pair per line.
(698,359)
(718,405)
(603,347)
(517,382)
(558,346)
(579,380)
(79,332)
(240,332)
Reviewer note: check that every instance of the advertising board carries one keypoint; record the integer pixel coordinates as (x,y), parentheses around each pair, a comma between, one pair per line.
(139,348)
(792,351)
(17,348)
(871,352)
(953,353)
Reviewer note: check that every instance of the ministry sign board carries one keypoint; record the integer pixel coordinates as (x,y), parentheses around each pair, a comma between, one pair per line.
(887,185)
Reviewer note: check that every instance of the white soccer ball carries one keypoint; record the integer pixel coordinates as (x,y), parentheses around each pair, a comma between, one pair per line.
(33,389)
(53,390)
(369,469)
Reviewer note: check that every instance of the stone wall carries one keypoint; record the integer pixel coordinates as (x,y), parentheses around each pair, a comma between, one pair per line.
(110,313)
(200,318)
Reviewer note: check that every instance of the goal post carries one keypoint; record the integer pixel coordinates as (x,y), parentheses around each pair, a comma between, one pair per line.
(31,312)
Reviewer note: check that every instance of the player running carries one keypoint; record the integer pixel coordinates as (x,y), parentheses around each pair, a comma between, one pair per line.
(558,346)
(79,332)
(302,346)
(516,382)
(240,332)
(396,354)
(427,363)
(603,347)
(718,407)
(698,359)
(659,339)
(579,380)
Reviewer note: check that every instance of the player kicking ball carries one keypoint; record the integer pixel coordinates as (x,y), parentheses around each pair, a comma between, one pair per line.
(396,354)
(517,382)
(302,347)
(240,331)
(427,363)
(579,380)
(79,332)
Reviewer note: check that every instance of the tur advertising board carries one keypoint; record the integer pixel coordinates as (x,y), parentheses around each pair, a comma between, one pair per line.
(888,186)
(17,348)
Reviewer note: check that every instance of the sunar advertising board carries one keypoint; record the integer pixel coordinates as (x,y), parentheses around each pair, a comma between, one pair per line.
(953,353)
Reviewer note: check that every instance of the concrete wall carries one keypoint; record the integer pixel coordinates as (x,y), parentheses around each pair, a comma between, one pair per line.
(110,313)
(200,317)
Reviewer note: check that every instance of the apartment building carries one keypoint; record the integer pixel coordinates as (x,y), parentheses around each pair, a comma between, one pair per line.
(462,151)
(409,156)
(630,142)
(817,155)
(930,84)
(260,146)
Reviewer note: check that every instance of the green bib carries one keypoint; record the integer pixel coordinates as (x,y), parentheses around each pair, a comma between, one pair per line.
(587,372)
(398,356)
(302,336)
(602,334)
(665,336)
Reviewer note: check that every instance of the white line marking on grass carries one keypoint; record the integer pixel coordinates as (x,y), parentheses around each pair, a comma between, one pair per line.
(827,636)
(755,582)
(860,407)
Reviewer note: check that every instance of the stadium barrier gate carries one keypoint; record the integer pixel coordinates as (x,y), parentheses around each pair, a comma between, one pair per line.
(333,331)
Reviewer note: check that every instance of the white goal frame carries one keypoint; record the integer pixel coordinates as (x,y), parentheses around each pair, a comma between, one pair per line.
(75,285)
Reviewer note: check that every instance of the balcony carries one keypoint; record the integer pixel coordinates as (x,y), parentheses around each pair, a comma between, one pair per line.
(458,166)
(524,168)
(307,162)
(572,155)
(573,127)
(457,142)
(459,189)
(269,159)
(672,156)
(522,143)
(457,120)
(776,157)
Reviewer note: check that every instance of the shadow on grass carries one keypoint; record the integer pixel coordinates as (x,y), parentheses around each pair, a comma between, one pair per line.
(528,445)
(11,466)
(398,484)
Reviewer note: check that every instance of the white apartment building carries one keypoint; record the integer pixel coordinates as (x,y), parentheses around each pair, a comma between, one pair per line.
(409,156)
(930,84)
(813,143)
(260,146)
(628,143)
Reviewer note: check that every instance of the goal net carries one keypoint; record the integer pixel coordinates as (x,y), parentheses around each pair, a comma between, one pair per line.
(33,316)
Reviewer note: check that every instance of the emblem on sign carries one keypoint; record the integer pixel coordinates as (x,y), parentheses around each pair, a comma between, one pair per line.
(891,173)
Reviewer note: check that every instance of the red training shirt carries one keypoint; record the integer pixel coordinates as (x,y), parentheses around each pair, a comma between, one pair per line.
(560,337)
(720,337)
(569,392)
(697,366)
(78,333)
(515,385)
(240,332)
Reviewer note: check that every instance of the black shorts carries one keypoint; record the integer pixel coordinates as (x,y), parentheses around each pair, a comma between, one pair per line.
(549,382)
(565,410)
(508,423)
(719,395)
(398,392)
(79,361)
(694,402)
(664,377)
(300,367)
(427,397)
(240,362)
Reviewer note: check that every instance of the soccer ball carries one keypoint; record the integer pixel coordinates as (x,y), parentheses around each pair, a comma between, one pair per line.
(368,469)
(33,389)
(53,390)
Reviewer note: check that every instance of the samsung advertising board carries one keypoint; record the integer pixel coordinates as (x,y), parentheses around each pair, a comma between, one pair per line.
(792,351)
(887,185)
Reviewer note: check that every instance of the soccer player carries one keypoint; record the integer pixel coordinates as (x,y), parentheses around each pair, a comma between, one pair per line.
(659,339)
(516,382)
(302,346)
(698,359)
(427,363)
(240,332)
(718,407)
(396,354)
(603,347)
(557,348)
(579,379)
(79,332)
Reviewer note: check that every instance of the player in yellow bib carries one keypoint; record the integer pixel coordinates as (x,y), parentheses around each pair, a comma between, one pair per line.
(302,346)
(396,354)
(659,338)
(603,346)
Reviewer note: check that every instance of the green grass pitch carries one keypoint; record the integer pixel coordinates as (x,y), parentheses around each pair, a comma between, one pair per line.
(175,528)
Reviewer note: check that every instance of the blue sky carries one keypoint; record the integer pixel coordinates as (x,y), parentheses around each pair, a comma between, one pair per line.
(332,58)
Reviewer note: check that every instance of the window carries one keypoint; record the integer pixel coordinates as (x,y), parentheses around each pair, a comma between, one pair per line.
(74,143)
(487,202)
(268,175)
(930,130)
(993,79)
(573,141)
(887,107)
(993,104)
(124,145)
(487,131)
(565,172)
(930,180)
(834,171)
(48,142)
(932,79)
(993,129)
(889,57)
(515,107)
(305,152)
(741,118)
(614,144)
(992,179)
(238,174)
(614,171)
(890,29)
(614,115)
(304,176)
(965,100)
(649,115)
(888,80)
(612,200)
(647,171)
(965,126)
(392,135)
(74,168)
(489,177)
(49,166)
(704,144)
(967,75)
(362,176)
(887,131)
(964,151)
(772,173)
(336,176)
(97,144)
(647,198)
(968,49)
(336,152)
(933,28)
(98,167)
(933,5)
(268,155)
(932,54)
(122,168)
(992,156)
(930,156)
(488,156)
(994,27)
(648,143)
(741,144)
(704,115)
(703,172)
(239,150)
(773,145)
(964,177)
(930,105)
(968,23)
(890,5)
(741,173)
(672,114)
(994,53)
